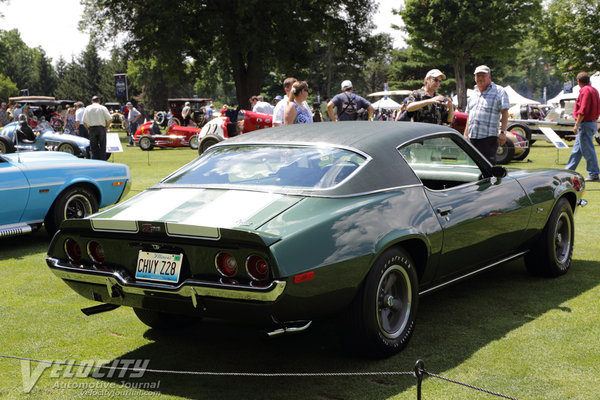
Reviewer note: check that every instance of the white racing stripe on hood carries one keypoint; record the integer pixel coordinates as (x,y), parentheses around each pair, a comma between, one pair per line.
(231,209)
(156,204)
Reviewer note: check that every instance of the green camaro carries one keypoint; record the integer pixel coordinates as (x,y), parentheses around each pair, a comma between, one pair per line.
(291,224)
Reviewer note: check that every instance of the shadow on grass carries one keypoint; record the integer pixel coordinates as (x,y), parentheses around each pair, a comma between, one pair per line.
(452,325)
(17,247)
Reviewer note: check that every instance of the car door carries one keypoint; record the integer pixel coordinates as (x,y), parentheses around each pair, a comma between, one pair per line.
(14,192)
(483,218)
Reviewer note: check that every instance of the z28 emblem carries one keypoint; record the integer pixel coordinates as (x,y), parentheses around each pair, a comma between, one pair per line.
(149,228)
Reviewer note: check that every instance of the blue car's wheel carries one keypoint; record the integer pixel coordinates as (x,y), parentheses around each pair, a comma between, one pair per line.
(6,145)
(69,147)
(384,312)
(74,202)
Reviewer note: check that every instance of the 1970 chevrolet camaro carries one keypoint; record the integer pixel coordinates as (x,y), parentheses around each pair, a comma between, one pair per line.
(295,223)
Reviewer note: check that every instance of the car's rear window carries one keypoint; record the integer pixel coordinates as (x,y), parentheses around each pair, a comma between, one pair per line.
(305,167)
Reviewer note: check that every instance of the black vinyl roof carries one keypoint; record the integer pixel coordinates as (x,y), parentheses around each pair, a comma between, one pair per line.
(376,139)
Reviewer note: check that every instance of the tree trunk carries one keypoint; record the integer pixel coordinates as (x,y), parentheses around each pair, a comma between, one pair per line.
(247,76)
(461,88)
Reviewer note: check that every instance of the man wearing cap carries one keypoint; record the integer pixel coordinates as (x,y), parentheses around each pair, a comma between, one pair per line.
(96,119)
(486,105)
(586,113)
(348,104)
(426,105)
(133,117)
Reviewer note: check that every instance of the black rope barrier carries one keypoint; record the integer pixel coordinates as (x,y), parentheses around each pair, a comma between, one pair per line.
(419,373)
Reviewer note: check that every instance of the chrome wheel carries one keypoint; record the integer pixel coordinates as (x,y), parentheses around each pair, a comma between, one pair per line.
(77,206)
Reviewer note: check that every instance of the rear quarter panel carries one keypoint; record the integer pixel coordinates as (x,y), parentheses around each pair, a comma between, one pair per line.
(339,239)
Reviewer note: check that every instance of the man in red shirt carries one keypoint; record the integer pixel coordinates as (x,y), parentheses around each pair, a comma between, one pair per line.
(586,112)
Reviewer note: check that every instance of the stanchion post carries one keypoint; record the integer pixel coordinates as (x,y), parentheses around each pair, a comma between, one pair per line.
(419,368)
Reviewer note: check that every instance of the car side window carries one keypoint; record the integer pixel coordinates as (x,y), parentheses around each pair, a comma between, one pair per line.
(440,163)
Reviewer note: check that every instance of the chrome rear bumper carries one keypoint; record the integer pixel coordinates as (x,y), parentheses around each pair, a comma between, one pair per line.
(119,285)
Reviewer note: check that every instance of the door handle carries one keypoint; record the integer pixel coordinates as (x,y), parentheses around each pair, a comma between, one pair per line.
(444,210)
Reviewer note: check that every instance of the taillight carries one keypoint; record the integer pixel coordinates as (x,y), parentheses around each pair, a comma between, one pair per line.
(96,252)
(257,268)
(226,264)
(576,184)
(73,250)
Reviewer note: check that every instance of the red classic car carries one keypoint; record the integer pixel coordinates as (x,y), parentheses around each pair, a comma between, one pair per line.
(149,135)
(515,148)
(233,123)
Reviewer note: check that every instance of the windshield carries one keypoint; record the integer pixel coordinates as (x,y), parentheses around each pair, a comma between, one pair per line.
(282,166)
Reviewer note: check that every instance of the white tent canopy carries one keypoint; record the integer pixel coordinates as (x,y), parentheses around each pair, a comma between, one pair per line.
(516,98)
(391,93)
(386,103)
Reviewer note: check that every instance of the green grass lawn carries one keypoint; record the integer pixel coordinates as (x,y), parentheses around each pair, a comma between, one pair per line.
(504,330)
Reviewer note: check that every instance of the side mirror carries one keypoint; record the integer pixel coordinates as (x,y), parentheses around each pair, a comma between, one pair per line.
(499,171)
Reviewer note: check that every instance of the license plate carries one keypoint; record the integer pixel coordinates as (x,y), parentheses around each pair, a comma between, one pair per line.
(160,267)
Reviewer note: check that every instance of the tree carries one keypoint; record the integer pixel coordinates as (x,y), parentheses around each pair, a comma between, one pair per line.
(7,88)
(458,31)
(16,59)
(249,38)
(570,32)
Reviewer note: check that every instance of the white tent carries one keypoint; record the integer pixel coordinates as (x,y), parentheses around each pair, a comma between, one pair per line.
(594,81)
(386,103)
(391,93)
(516,98)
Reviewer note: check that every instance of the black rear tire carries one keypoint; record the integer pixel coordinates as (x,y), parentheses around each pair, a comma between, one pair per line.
(382,316)
(553,252)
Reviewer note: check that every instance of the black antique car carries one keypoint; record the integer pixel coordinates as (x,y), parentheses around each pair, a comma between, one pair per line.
(287,225)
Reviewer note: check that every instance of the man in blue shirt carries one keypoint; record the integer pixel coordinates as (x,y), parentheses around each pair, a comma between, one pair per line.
(348,104)
(486,105)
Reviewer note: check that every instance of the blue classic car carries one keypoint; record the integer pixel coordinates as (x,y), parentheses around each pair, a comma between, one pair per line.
(287,225)
(49,187)
(47,139)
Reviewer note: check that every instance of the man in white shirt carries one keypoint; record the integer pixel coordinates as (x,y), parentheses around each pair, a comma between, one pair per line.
(96,119)
(280,107)
(133,117)
(262,106)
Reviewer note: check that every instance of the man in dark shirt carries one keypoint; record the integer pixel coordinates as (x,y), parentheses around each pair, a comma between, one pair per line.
(586,112)
(348,105)
(24,132)
(427,105)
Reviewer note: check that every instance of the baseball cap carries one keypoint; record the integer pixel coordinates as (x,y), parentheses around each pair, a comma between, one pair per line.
(278,97)
(482,68)
(95,98)
(346,85)
(435,73)
(128,104)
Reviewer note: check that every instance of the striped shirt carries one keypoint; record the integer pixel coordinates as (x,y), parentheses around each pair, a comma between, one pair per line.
(484,109)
